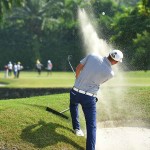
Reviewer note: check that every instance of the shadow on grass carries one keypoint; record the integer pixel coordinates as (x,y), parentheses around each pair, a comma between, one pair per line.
(8,93)
(33,105)
(48,109)
(46,134)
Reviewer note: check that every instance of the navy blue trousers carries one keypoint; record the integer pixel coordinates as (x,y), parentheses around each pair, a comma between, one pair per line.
(88,104)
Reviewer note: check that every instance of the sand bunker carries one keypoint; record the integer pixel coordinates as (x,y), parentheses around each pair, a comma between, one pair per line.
(123,138)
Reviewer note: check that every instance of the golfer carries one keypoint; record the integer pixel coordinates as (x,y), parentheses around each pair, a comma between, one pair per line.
(92,71)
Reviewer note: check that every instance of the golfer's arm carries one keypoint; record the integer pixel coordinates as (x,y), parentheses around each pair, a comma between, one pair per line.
(78,69)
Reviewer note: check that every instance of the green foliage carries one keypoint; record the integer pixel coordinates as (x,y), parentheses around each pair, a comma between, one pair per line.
(141,47)
(48,29)
(19,47)
(126,28)
(126,3)
(106,6)
(104,10)
(51,30)
(7,5)
(146,3)
(36,14)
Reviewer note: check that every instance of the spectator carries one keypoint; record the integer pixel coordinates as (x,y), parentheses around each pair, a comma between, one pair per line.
(49,67)
(19,68)
(6,71)
(15,69)
(39,67)
(10,68)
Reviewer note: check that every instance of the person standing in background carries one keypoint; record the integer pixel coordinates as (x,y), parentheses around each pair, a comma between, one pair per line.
(10,68)
(49,67)
(39,66)
(15,70)
(5,71)
(19,68)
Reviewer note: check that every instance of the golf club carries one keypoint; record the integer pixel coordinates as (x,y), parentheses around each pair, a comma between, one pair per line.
(69,58)
(54,111)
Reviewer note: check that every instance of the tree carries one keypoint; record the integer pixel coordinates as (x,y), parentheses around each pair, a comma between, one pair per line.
(126,3)
(48,27)
(7,5)
(33,17)
(141,48)
(37,14)
(127,26)
(104,11)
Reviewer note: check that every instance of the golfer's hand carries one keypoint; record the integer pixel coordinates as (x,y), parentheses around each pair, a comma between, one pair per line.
(76,76)
(78,69)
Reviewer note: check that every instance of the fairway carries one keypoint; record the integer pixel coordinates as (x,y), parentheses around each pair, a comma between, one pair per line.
(25,124)
(33,80)
(66,79)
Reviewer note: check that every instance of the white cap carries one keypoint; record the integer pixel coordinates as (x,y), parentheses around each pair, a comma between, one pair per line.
(117,55)
(49,61)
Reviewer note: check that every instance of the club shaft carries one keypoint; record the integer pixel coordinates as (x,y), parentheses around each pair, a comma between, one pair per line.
(71,67)
(65,110)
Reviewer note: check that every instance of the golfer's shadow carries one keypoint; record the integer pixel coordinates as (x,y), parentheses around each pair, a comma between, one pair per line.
(46,134)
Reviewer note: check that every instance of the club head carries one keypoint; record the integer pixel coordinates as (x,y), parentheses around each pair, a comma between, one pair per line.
(69,57)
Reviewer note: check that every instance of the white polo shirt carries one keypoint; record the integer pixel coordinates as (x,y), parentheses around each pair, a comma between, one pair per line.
(97,70)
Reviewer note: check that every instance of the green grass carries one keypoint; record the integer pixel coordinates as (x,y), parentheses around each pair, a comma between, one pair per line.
(24,123)
(33,80)
(66,79)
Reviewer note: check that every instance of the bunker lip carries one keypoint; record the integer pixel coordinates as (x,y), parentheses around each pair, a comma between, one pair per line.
(143,122)
(13,93)
(2,84)
(123,138)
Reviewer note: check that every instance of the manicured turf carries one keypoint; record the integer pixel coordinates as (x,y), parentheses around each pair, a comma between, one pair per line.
(33,80)
(66,79)
(24,123)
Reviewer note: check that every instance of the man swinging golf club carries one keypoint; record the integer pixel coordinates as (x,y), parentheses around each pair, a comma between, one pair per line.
(91,72)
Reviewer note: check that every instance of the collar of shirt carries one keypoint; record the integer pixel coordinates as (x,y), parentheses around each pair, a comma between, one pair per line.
(108,62)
